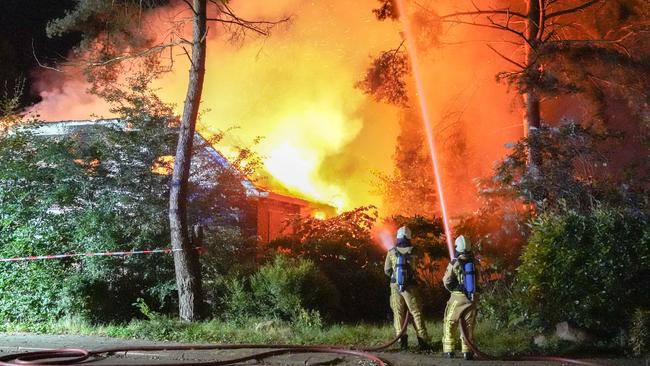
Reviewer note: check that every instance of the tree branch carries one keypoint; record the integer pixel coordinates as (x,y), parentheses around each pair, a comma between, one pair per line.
(398,48)
(471,41)
(243,25)
(190,6)
(260,27)
(594,41)
(146,52)
(506,12)
(39,62)
(542,20)
(572,10)
(507,58)
(508,29)
(473,24)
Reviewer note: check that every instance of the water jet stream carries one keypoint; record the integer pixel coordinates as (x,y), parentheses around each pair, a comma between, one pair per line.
(419,85)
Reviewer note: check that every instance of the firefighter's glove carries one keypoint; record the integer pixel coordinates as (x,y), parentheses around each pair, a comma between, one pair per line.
(455,263)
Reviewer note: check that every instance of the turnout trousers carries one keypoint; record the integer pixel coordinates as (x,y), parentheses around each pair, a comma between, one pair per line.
(456,304)
(409,298)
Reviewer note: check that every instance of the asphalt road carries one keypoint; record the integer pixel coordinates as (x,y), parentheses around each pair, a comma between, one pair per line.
(14,343)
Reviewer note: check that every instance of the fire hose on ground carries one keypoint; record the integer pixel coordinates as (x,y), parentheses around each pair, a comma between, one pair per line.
(78,356)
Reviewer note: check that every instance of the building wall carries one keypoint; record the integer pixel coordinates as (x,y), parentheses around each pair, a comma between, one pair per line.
(272,215)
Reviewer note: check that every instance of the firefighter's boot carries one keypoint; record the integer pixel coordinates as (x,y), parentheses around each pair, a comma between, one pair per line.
(468,356)
(404,342)
(448,355)
(423,345)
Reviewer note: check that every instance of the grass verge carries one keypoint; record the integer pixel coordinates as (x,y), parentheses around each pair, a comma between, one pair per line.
(159,328)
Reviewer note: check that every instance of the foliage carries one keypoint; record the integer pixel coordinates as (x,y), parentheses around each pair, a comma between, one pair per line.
(10,104)
(350,228)
(287,289)
(107,39)
(295,289)
(33,179)
(575,162)
(229,255)
(94,189)
(387,10)
(144,308)
(498,229)
(384,79)
(579,181)
(587,268)
(342,248)
(640,333)
(57,196)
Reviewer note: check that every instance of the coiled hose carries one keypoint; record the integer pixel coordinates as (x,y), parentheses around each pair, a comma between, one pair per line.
(73,357)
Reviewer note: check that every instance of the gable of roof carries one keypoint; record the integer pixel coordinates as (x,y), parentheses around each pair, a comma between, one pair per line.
(205,153)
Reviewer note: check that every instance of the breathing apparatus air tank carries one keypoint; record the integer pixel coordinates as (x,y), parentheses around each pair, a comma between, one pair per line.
(468,271)
(402,268)
(463,247)
(401,272)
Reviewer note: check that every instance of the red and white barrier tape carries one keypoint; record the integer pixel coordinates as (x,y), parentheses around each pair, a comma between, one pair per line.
(201,250)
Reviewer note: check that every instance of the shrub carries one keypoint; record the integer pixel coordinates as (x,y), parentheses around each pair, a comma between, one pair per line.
(238,301)
(228,258)
(591,269)
(640,333)
(290,289)
(94,190)
(79,193)
(571,169)
(341,247)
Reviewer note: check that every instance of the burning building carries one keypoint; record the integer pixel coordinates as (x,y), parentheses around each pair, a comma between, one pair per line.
(262,211)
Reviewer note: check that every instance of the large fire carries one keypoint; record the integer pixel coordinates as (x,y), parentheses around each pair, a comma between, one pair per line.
(322,138)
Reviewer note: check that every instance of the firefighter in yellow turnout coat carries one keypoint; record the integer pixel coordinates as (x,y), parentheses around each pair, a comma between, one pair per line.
(463,295)
(400,266)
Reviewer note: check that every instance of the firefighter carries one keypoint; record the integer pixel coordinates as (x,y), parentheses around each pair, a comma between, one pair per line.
(460,279)
(401,263)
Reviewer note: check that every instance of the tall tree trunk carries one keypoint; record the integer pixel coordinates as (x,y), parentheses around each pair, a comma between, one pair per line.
(188,281)
(532,116)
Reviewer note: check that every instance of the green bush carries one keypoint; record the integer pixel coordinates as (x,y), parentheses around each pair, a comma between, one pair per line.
(79,193)
(591,268)
(50,203)
(238,301)
(93,190)
(228,258)
(32,185)
(640,333)
(341,247)
(287,289)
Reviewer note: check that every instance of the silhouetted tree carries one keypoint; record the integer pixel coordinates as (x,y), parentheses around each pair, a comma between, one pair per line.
(562,42)
(113,32)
